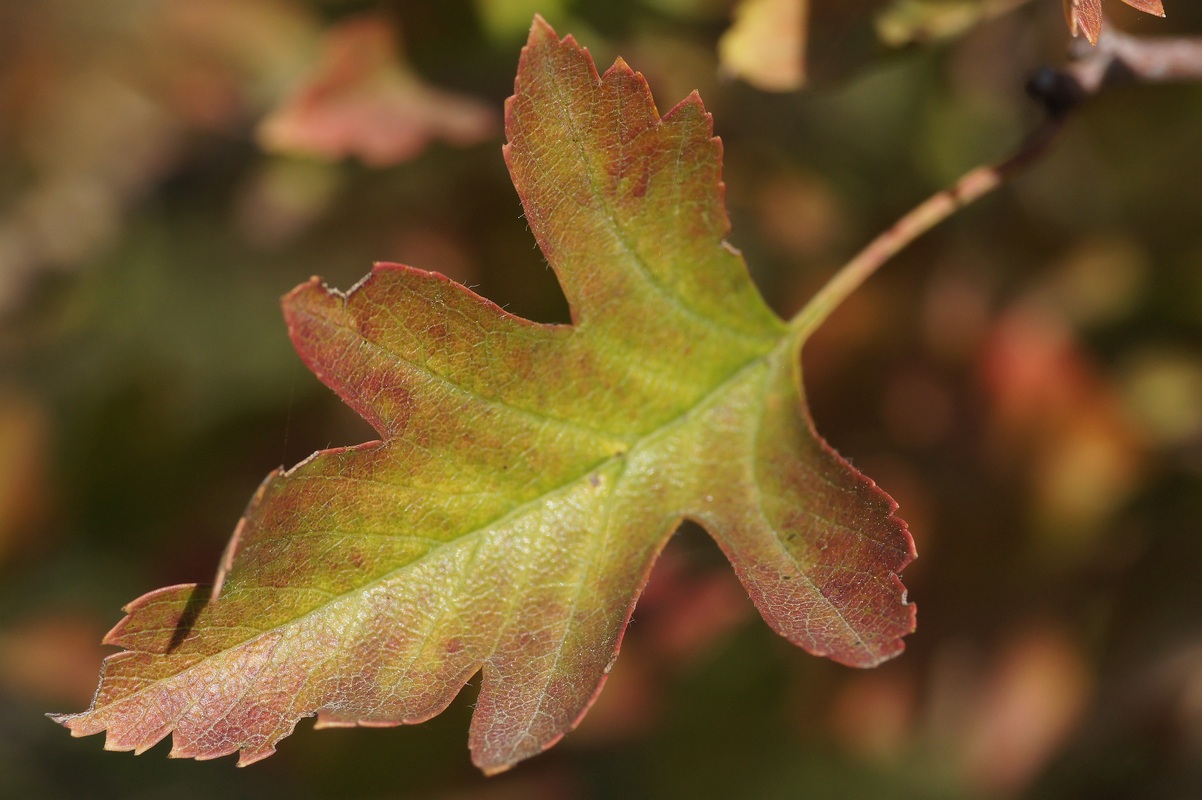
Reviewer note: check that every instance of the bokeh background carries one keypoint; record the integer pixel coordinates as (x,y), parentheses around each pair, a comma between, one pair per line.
(1026,380)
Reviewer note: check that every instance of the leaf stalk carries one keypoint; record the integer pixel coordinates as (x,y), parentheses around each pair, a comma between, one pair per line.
(1118,57)
(972,186)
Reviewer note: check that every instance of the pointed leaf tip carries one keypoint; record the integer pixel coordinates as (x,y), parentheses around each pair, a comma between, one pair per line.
(766,44)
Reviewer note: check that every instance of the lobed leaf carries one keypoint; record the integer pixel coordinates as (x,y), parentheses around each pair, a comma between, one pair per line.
(527,475)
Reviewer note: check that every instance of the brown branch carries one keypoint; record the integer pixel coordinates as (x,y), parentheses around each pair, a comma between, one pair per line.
(926,215)
(1117,58)
(1144,59)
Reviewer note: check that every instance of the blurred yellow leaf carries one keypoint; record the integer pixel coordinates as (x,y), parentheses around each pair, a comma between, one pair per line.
(24,489)
(766,44)
(505,19)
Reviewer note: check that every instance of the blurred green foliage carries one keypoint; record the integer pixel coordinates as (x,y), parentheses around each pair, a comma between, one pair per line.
(1026,381)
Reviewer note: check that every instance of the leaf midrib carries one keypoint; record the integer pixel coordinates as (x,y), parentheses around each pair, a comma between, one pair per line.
(645,442)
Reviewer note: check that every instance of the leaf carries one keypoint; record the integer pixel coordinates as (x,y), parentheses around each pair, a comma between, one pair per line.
(905,22)
(362,101)
(766,45)
(528,475)
(1085,16)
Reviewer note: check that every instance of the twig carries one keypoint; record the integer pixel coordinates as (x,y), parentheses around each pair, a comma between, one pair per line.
(1122,58)
(936,208)
(1117,58)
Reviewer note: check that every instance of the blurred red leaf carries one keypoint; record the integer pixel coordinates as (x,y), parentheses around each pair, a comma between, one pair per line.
(362,100)
(766,45)
(1026,707)
(25,486)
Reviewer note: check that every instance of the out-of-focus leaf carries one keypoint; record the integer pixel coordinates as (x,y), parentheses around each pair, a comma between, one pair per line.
(1162,393)
(99,113)
(909,21)
(692,9)
(361,100)
(529,475)
(49,658)
(24,490)
(766,45)
(800,213)
(873,716)
(1061,423)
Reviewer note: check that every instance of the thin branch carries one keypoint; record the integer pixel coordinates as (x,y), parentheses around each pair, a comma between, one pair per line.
(935,209)
(1117,58)
(1122,58)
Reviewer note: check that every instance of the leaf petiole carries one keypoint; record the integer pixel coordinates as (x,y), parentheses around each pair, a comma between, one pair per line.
(973,185)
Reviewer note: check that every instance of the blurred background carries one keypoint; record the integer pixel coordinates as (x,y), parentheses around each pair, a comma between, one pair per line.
(1026,380)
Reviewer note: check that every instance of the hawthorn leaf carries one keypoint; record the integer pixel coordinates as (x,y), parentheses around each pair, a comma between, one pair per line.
(528,475)
(1085,16)
(905,22)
